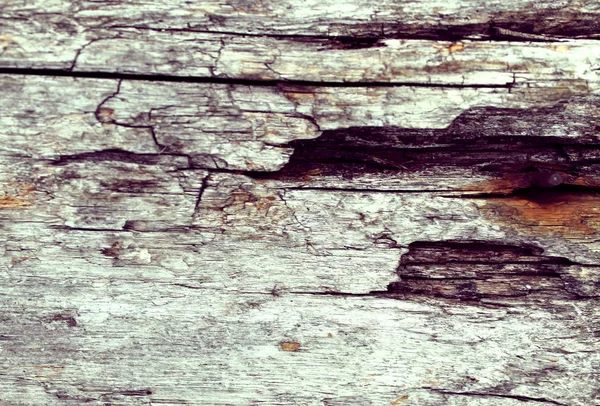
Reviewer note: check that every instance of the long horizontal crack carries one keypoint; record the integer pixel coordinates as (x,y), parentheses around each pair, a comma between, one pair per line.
(497,395)
(336,293)
(234,81)
(116,155)
(365,190)
(479,32)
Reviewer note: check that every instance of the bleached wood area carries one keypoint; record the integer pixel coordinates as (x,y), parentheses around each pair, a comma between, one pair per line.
(228,202)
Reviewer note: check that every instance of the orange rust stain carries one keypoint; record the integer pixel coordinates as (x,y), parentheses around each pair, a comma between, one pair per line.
(6,40)
(456,47)
(313,172)
(307,176)
(106,114)
(548,212)
(329,335)
(506,184)
(300,97)
(16,194)
(10,202)
(264,204)
(590,182)
(399,400)
(17,260)
(562,212)
(290,346)
(561,48)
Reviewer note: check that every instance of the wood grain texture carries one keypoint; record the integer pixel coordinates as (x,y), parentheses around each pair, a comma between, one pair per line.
(283,203)
(322,42)
(227,56)
(432,19)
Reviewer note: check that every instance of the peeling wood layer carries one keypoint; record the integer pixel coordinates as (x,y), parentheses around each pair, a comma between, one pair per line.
(485,150)
(471,270)
(234,127)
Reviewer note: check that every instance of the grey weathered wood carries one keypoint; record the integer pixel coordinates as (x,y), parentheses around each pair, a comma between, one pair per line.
(234,233)
(152,227)
(202,120)
(299,41)
(432,19)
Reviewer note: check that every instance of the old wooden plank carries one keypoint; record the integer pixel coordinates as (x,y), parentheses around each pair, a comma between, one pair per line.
(101,340)
(110,213)
(258,41)
(165,184)
(420,228)
(222,56)
(53,117)
(115,274)
(431,19)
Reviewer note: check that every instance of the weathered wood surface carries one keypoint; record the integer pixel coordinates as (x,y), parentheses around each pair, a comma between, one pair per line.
(309,40)
(244,203)
(430,19)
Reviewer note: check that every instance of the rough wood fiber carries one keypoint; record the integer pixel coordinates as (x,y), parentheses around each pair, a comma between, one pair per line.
(313,203)
(324,41)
